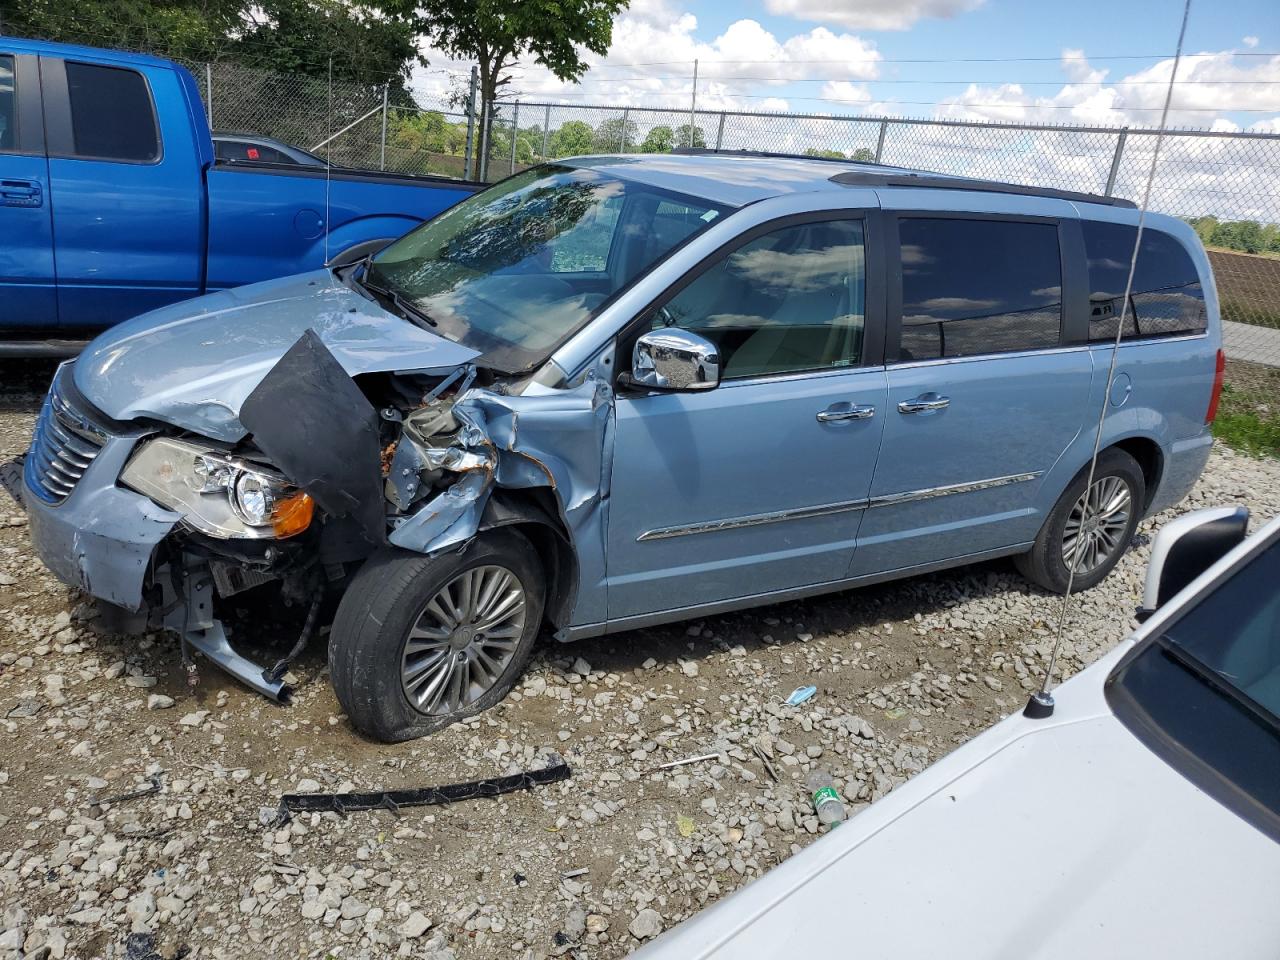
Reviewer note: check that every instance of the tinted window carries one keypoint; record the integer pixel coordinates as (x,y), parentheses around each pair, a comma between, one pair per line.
(1206,694)
(787,301)
(252,152)
(1167,296)
(978,286)
(8,105)
(111,114)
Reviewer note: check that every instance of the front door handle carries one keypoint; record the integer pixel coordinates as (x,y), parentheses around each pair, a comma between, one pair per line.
(20,193)
(923,403)
(846,411)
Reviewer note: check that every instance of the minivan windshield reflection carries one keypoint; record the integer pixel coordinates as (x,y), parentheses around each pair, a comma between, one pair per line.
(515,270)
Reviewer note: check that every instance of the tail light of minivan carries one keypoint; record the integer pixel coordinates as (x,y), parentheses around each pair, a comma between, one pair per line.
(1219,368)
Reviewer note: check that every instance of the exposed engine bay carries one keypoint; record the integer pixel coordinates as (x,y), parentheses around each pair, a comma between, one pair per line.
(415,461)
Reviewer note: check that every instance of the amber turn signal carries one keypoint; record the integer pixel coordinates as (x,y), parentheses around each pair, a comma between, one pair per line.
(292,515)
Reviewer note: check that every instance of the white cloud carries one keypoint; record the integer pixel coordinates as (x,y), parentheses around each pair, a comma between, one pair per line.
(1209,85)
(650,63)
(1250,41)
(870,14)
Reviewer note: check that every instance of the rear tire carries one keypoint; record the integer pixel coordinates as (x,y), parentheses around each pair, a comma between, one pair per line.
(1102,526)
(419,643)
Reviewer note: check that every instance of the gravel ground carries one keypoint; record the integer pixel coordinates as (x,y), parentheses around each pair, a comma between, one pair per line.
(586,868)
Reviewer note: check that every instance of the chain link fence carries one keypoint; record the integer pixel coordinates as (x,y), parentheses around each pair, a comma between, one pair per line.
(1226,184)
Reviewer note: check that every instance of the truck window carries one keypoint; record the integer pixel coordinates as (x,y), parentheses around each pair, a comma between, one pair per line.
(1167,297)
(8,105)
(978,286)
(112,117)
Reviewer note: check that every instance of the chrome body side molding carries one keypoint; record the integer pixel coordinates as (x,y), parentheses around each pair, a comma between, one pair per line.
(844,506)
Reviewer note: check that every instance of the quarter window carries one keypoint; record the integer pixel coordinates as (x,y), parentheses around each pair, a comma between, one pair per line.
(978,286)
(111,114)
(1167,296)
(8,105)
(791,300)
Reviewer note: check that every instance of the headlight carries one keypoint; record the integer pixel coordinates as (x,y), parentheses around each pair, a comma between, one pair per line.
(218,494)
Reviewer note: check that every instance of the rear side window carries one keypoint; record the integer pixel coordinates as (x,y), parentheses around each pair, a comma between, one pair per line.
(1167,296)
(978,286)
(251,152)
(112,117)
(8,105)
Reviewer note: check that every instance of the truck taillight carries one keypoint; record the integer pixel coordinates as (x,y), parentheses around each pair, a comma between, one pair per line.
(1219,368)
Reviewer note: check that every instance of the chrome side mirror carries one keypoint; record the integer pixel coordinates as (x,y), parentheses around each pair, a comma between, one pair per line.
(1187,547)
(675,359)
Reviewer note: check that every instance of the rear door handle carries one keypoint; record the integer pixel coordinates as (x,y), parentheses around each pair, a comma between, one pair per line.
(20,193)
(844,410)
(923,403)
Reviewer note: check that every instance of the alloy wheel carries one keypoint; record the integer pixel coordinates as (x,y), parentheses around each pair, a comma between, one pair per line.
(463,640)
(1096,526)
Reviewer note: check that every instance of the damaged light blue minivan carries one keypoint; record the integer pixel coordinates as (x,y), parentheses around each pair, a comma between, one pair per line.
(616,391)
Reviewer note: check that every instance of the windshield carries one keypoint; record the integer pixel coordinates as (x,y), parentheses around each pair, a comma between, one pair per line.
(1205,693)
(515,270)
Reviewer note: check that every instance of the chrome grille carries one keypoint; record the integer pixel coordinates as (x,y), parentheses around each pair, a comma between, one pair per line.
(62,447)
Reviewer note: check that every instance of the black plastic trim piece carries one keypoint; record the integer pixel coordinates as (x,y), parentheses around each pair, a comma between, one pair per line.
(30,128)
(926,180)
(393,800)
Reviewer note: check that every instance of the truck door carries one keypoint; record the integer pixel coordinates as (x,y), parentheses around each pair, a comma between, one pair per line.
(28,298)
(127,189)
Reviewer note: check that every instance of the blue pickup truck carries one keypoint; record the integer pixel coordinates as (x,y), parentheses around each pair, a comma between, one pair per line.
(112,202)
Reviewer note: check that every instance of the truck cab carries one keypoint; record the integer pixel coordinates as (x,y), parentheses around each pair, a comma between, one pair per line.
(112,202)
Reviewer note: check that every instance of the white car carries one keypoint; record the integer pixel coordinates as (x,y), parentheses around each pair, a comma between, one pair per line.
(1140,819)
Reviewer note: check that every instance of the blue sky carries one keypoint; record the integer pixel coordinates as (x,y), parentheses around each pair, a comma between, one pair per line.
(837,57)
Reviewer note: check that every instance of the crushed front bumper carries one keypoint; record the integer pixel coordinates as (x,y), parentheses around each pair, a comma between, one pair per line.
(101,537)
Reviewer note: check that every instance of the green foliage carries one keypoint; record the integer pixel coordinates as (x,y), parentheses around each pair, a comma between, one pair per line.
(825,154)
(496,33)
(1246,236)
(864,155)
(369,40)
(1248,414)
(574,137)
(682,137)
(616,136)
(659,139)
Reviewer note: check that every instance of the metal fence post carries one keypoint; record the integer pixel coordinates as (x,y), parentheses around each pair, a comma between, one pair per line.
(471,126)
(208,91)
(1115,160)
(693,102)
(382,158)
(622,136)
(546,130)
(884,128)
(515,130)
(720,132)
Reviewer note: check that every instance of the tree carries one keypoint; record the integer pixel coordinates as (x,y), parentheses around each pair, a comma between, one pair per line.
(616,136)
(495,33)
(824,154)
(682,137)
(864,155)
(658,140)
(573,137)
(370,41)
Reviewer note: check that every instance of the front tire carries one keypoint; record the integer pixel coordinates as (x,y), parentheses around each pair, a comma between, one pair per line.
(420,643)
(1094,529)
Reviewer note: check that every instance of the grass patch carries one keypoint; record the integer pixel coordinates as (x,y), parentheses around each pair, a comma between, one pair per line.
(1249,412)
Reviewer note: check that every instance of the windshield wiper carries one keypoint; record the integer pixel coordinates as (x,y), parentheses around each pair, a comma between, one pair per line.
(408,309)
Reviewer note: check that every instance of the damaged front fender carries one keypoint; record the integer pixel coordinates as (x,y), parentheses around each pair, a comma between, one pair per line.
(562,441)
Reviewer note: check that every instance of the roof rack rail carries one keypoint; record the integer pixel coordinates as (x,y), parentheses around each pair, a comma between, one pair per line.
(767,154)
(935,181)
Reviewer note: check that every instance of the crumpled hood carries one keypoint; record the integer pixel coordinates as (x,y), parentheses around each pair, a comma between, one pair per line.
(192,364)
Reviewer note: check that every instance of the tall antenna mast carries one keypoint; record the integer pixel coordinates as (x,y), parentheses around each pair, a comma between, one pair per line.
(328,163)
(1040,703)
